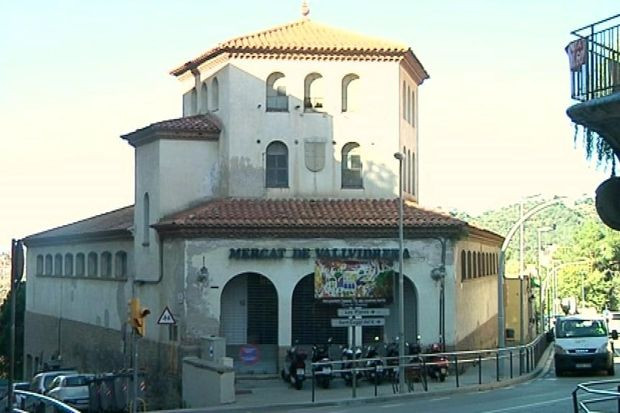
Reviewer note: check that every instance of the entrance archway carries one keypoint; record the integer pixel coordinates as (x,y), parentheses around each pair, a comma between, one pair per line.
(311,320)
(249,322)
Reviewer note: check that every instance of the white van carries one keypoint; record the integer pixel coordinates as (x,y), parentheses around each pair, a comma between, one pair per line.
(582,343)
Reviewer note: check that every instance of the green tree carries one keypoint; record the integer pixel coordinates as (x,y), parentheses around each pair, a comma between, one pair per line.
(598,279)
(5,332)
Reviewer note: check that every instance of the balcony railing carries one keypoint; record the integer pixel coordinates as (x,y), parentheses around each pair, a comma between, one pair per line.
(595,60)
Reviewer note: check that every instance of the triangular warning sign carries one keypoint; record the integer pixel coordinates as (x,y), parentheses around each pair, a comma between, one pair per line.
(166,317)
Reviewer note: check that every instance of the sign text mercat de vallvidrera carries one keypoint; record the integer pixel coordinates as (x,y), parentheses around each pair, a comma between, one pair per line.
(306,253)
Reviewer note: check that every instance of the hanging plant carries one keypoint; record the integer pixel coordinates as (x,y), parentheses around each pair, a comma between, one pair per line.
(596,148)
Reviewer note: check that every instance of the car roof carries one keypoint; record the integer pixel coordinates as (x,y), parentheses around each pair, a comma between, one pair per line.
(582,317)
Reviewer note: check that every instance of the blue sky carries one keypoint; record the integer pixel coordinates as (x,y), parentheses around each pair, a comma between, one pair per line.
(74,75)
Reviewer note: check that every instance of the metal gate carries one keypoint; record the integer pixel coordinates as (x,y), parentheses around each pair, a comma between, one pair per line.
(249,322)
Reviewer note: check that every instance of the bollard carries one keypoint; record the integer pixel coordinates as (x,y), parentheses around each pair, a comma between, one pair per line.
(497,365)
(456,369)
(511,364)
(376,379)
(313,378)
(354,384)
(479,368)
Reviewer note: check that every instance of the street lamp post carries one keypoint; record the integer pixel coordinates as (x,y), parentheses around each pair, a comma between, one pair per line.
(401,296)
(501,319)
(540,286)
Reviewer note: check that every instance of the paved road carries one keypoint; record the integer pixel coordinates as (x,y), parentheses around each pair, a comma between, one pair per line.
(547,393)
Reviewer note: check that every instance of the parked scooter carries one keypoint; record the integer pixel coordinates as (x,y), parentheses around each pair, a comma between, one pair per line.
(415,370)
(437,365)
(323,373)
(294,370)
(374,371)
(348,356)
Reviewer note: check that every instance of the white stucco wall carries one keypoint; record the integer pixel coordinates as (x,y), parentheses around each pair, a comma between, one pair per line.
(249,128)
(202,300)
(475,298)
(98,301)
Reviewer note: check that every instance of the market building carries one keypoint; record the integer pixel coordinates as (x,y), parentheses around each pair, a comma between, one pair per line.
(269,205)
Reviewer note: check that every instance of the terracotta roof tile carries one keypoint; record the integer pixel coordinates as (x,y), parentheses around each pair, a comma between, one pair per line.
(299,37)
(207,123)
(373,217)
(113,223)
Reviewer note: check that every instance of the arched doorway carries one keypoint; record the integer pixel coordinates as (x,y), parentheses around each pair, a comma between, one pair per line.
(411,311)
(249,322)
(311,319)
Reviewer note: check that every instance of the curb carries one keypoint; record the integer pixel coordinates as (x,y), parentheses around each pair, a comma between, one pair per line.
(542,368)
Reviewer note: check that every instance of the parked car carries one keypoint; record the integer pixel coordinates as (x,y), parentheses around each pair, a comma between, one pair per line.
(71,389)
(41,381)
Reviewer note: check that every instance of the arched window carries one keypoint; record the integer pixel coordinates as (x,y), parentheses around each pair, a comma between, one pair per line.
(215,94)
(39,269)
(408,105)
(276,169)
(350,93)
(79,264)
(49,264)
(146,220)
(404,171)
(404,100)
(469,269)
(277,100)
(412,108)
(313,92)
(352,166)
(204,98)
(106,264)
(120,264)
(409,183)
(463,266)
(93,264)
(413,188)
(68,265)
(58,264)
(474,258)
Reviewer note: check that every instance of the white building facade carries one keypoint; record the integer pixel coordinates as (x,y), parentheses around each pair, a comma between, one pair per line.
(280,174)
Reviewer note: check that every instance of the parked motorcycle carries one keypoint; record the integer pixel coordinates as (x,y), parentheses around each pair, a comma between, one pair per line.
(391,354)
(415,370)
(374,371)
(437,365)
(294,370)
(349,355)
(323,372)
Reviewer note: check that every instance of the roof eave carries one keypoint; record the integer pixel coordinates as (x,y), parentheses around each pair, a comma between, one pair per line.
(110,235)
(250,231)
(149,134)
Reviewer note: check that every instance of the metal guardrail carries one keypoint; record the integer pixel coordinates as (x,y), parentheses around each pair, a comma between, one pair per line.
(595,56)
(607,398)
(417,366)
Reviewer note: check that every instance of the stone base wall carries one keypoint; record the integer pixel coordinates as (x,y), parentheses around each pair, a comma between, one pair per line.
(95,349)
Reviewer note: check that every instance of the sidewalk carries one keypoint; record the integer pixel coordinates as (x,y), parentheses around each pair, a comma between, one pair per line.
(268,393)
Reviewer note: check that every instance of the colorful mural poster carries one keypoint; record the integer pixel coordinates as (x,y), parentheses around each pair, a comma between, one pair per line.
(348,280)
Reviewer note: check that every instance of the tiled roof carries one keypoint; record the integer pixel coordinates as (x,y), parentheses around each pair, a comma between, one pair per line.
(110,224)
(234,217)
(302,37)
(198,125)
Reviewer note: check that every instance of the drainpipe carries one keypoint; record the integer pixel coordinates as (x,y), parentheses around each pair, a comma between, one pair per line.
(439,274)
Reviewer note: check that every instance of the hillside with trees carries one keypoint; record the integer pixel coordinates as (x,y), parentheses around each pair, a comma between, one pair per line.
(584,251)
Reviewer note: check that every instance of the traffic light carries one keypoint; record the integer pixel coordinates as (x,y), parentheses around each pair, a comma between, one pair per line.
(137,316)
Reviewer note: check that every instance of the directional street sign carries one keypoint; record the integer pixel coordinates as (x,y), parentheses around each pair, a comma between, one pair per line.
(360,312)
(166,317)
(349,322)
